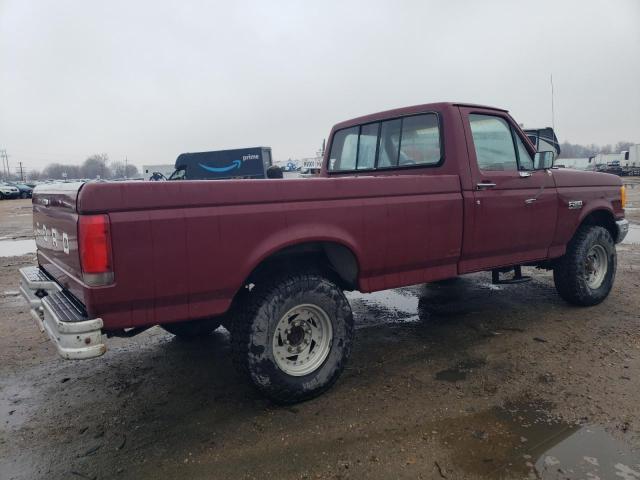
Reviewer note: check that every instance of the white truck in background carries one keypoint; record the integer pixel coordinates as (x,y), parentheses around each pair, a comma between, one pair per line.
(631,160)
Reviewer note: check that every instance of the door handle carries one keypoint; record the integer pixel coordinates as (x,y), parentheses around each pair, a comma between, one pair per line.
(483,185)
(529,201)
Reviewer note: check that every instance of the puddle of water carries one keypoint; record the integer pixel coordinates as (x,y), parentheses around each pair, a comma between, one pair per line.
(461,370)
(425,303)
(522,440)
(387,306)
(589,453)
(633,237)
(15,248)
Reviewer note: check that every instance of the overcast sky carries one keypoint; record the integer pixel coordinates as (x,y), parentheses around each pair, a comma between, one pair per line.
(152,79)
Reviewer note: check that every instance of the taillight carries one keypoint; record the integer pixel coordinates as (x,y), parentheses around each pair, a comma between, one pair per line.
(94,244)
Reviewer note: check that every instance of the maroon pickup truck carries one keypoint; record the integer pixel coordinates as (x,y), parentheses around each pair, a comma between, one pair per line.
(405,197)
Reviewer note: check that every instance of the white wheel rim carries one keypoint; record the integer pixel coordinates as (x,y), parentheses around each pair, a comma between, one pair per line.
(595,266)
(302,340)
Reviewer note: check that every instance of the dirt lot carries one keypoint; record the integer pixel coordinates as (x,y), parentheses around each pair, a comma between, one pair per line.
(461,379)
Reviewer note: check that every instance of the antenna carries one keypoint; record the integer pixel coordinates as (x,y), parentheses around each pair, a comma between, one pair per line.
(553,115)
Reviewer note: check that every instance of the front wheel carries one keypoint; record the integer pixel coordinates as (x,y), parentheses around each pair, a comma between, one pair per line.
(585,275)
(292,337)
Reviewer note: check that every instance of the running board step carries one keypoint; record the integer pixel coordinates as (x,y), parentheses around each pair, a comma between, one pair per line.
(517,277)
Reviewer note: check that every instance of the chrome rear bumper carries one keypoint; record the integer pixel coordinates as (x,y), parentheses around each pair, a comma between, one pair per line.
(74,335)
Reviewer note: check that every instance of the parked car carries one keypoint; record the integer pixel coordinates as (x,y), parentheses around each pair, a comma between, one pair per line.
(25,190)
(8,191)
(406,196)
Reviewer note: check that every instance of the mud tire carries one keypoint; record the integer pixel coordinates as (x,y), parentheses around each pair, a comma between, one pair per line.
(192,329)
(253,327)
(569,273)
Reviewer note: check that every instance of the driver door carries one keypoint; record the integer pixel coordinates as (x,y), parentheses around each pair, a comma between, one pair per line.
(514,207)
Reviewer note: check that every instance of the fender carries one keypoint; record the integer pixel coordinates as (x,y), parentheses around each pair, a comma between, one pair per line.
(299,235)
(570,218)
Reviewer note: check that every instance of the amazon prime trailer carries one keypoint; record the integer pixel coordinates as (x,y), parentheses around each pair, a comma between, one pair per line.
(223,164)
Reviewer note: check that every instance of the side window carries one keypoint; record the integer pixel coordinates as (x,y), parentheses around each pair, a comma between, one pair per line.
(526,161)
(389,143)
(420,140)
(367,146)
(493,143)
(344,148)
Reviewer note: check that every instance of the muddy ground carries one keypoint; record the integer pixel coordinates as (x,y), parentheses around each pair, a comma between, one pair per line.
(461,379)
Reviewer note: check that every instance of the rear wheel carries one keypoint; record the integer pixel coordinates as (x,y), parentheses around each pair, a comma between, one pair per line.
(292,337)
(192,329)
(585,275)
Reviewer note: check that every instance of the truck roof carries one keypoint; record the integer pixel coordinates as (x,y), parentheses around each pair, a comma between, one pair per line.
(399,112)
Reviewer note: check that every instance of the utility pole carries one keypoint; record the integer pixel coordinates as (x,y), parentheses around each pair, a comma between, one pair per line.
(125,167)
(553,113)
(21,173)
(5,163)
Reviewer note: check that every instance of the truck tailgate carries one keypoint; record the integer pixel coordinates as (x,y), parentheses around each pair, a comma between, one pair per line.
(55,222)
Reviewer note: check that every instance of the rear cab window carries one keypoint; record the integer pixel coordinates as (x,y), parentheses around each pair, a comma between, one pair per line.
(396,143)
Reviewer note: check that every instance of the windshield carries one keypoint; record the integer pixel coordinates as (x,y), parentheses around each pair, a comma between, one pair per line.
(179,174)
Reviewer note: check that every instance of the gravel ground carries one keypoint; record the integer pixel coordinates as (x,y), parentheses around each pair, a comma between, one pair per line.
(460,379)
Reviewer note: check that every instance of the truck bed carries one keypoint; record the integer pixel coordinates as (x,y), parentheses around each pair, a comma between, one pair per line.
(176,237)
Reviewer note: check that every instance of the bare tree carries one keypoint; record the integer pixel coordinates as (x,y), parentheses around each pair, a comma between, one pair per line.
(623,146)
(117,169)
(96,166)
(606,149)
(131,171)
(574,150)
(54,171)
(122,170)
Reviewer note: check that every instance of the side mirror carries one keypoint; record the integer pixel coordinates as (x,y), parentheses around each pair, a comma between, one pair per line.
(543,160)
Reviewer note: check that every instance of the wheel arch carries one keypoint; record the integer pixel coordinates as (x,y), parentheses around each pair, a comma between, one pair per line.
(600,217)
(329,254)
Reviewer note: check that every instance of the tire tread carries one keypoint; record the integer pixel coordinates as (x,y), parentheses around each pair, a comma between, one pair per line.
(566,274)
(245,311)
